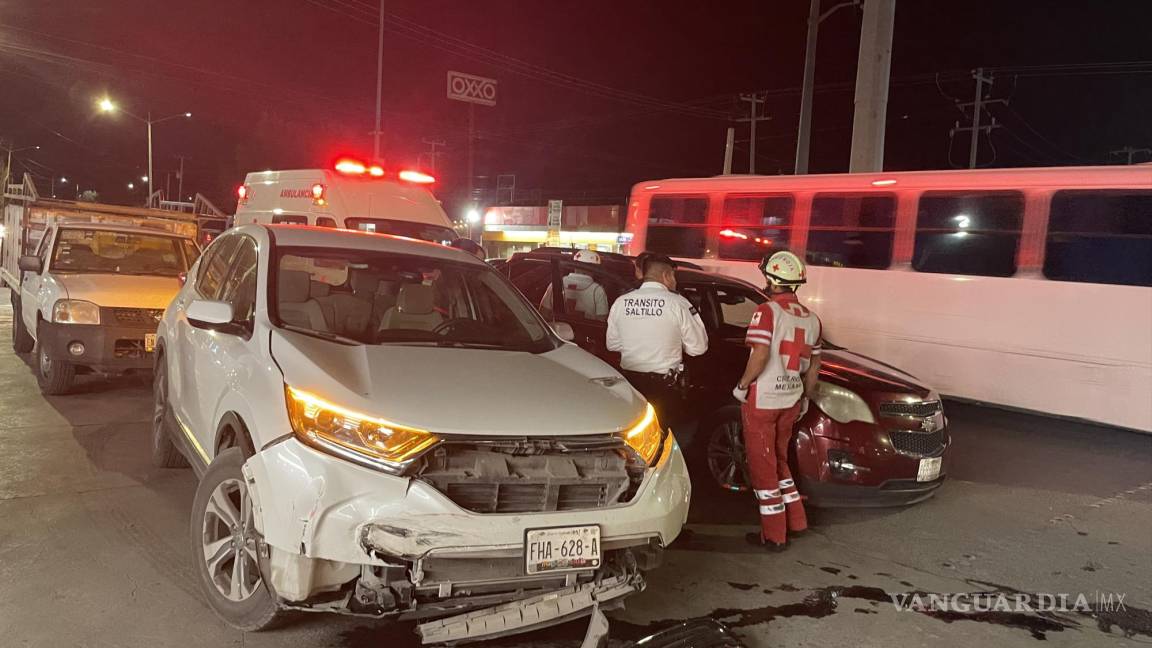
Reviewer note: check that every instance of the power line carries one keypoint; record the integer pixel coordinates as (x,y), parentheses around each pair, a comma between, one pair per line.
(369,14)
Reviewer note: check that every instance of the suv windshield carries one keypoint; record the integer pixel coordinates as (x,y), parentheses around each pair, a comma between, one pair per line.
(100,251)
(385,298)
(410,229)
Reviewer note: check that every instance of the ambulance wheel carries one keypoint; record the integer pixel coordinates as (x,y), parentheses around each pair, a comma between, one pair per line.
(22,341)
(225,547)
(720,451)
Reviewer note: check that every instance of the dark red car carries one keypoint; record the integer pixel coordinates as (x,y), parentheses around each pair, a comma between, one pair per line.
(875,436)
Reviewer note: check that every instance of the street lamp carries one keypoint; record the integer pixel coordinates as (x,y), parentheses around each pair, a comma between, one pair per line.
(8,165)
(106,105)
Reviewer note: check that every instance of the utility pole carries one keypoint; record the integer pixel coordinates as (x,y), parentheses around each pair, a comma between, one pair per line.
(804,137)
(873,68)
(977,104)
(433,154)
(379,86)
(180,176)
(728,146)
(754,99)
(471,149)
(1130,152)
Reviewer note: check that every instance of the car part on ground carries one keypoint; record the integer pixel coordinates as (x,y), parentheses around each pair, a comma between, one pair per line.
(531,614)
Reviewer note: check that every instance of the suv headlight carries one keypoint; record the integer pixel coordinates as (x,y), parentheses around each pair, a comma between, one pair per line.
(75,311)
(646,437)
(841,404)
(353,435)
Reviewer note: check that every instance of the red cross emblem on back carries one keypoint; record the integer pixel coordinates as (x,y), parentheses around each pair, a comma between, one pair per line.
(796,349)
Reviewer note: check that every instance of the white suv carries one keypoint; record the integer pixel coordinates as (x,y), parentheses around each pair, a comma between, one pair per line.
(386,427)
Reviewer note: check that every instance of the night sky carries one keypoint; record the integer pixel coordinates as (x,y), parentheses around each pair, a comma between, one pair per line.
(594,96)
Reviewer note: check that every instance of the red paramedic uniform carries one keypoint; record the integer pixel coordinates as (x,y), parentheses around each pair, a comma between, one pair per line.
(792,332)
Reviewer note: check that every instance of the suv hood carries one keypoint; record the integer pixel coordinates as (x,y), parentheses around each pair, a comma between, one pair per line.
(861,373)
(464,391)
(119,290)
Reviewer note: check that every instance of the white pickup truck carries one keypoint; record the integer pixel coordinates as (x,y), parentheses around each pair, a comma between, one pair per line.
(90,282)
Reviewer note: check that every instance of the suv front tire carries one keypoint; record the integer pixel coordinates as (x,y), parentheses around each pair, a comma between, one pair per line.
(226,547)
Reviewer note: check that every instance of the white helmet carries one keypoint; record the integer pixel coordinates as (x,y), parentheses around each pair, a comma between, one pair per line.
(783,269)
(586,256)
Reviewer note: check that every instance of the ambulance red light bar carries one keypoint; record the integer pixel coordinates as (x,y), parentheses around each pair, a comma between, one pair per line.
(416,177)
(350,166)
(318,193)
(375,171)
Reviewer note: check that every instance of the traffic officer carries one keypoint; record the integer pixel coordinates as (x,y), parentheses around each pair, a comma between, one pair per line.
(782,369)
(652,327)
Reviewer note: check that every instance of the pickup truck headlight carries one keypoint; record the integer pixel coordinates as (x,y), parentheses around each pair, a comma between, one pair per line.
(353,435)
(75,311)
(841,404)
(646,437)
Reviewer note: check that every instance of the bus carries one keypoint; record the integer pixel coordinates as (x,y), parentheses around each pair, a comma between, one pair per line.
(1023,288)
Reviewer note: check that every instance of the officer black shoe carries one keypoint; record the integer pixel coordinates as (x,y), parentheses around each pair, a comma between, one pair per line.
(757,540)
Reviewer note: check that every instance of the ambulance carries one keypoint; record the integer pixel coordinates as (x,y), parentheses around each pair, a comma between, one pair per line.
(351,195)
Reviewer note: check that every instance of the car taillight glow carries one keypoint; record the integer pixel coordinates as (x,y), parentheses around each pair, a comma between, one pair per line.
(350,166)
(416,177)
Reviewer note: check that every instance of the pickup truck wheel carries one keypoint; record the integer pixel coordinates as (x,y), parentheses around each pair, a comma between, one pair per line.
(22,341)
(165,454)
(54,375)
(225,547)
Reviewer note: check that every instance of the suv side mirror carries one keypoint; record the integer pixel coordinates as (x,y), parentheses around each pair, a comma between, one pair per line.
(206,314)
(30,263)
(564,330)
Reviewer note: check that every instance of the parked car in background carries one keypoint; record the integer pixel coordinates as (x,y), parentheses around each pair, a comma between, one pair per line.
(876,435)
(385,427)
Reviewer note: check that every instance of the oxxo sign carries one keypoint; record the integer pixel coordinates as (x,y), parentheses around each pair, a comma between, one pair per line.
(471,88)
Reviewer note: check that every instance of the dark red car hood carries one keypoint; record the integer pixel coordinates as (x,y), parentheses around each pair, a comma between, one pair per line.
(861,373)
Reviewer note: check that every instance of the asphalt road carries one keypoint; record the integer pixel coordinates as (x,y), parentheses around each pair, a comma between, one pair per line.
(94,550)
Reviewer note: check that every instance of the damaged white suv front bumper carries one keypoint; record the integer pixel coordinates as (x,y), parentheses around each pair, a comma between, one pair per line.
(345,538)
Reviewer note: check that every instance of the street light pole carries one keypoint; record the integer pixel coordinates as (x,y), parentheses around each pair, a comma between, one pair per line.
(151,177)
(8,165)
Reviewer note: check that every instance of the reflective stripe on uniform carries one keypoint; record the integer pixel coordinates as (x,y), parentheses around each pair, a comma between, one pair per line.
(787,483)
(791,497)
(767,494)
(772,509)
(758,337)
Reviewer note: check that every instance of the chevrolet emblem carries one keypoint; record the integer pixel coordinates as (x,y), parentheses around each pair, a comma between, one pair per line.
(928,424)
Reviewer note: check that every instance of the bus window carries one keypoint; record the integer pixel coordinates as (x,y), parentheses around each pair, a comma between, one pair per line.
(1100,237)
(290,219)
(676,225)
(968,233)
(852,230)
(752,225)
